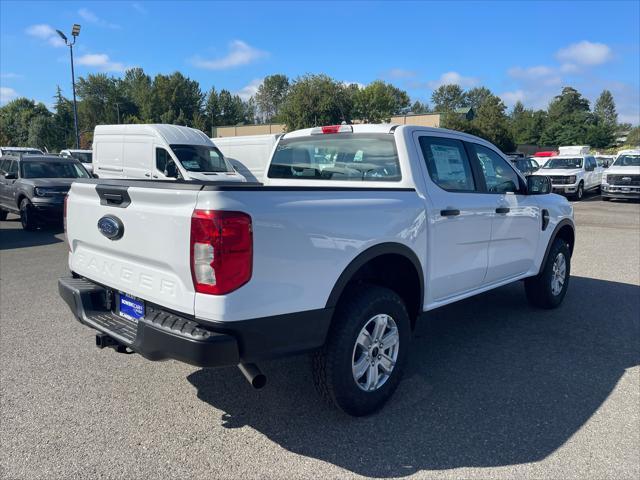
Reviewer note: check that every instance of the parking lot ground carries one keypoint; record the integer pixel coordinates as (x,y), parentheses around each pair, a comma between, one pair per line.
(495,389)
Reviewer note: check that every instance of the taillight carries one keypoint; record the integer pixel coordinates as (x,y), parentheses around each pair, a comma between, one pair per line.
(332,129)
(221,251)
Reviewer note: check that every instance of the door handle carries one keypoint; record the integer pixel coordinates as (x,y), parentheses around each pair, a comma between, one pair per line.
(503,210)
(155,176)
(147,174)
(450,212)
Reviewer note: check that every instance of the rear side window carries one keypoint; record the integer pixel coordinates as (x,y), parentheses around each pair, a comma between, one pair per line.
(448,164)
(340,156)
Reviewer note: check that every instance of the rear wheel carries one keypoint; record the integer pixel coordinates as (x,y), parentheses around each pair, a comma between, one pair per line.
(605,199)
(27,215)
(362,361)
(548,288)
(3,215)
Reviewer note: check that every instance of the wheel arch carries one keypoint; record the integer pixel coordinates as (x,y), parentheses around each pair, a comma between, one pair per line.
(391,265)
(564,230)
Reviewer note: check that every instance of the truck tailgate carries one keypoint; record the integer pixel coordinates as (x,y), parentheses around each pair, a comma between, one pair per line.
(151,259)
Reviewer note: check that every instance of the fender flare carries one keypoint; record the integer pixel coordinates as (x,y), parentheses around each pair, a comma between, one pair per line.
(368,255)
(562,223)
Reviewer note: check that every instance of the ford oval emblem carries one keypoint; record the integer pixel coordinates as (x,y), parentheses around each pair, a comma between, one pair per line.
(111,227)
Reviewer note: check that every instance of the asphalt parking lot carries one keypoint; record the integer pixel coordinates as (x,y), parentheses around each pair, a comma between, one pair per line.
(495,389)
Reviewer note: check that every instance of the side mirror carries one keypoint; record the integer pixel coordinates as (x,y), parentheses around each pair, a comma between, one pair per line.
(538,185)
(10,176)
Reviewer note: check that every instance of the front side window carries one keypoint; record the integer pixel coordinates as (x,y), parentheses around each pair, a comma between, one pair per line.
(165,164)
(53,170)
(567,163)
(201,158)
(627,161)
(13,167)
(340,156)
(447,164)
(498,175)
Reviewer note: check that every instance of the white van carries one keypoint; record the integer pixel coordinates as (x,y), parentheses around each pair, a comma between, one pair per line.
(250,154)
(161,152)
(83,155)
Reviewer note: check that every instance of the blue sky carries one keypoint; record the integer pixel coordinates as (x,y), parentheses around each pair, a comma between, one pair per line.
(520,50)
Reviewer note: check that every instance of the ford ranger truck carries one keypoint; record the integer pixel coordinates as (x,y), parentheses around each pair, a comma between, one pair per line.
(355,233)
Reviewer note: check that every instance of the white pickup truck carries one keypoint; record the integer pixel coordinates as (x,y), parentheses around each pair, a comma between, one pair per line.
(356,232)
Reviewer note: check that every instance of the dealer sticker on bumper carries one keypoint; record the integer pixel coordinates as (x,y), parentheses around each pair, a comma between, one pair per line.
(130,307)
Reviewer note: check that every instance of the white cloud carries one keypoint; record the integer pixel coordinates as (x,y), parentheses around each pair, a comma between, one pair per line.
(401,73)
(585,53)
(240,53)
(47,33)
(101,61)
(10,75)
(137,6)
(7,94)
(359,84)
(453,78)
(248,91)
(539,74)
(511,98)
(91,17)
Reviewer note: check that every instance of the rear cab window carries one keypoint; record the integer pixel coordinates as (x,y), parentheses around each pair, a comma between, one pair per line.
(341,156)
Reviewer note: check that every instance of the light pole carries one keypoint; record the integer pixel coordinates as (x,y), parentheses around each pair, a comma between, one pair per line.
(75,31)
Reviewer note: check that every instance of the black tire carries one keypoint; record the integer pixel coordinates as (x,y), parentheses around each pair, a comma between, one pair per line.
(605,199)
(3,215)
(539,288)
(579,193)
(27,215)
(332,364)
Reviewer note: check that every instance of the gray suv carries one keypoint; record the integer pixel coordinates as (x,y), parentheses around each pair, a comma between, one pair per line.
(34,186)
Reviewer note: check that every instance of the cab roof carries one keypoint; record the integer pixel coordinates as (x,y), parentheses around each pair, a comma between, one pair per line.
(172,134)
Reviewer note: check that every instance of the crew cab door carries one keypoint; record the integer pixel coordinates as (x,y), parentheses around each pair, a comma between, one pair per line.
(459,218)
(7,185)
(593,172)
(516,224)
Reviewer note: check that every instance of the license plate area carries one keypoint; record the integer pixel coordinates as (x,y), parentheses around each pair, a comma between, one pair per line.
(130,307)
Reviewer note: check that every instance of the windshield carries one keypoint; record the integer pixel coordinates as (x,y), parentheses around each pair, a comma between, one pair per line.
(340,156)
(201,158)
(53,170)
(522,165)
(84,157)
(627,161)
(565,163)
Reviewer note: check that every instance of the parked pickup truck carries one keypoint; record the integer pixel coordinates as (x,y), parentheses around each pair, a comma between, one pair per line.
(356,232)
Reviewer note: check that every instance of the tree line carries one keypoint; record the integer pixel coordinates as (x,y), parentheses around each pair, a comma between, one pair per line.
(306,101)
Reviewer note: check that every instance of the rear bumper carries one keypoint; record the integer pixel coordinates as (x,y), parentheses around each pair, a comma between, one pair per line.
(165,335)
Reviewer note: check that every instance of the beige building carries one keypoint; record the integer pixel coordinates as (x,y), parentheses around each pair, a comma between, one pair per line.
(424,120)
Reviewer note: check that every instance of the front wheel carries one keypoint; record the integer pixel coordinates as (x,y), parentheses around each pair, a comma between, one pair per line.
(362,361)
(580,192)
(605,199)
(3,215)
(548,288)
(27,216)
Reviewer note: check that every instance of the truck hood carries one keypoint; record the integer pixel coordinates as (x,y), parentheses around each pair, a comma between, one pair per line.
(561,172)
(623,170)
(217,176)
(49,182)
